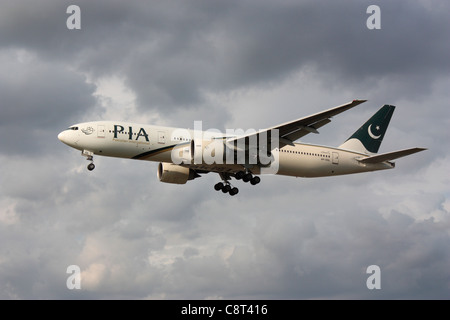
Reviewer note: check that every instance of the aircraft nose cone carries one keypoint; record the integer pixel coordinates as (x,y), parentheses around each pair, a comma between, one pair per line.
(68,137)
(61,136)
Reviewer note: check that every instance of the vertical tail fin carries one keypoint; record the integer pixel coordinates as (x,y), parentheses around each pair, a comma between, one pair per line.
(367,139)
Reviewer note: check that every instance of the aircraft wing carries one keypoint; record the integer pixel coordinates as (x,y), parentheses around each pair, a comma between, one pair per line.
(290,131)
(390,156)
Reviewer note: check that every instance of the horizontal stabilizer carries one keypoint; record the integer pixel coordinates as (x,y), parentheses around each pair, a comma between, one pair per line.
(391,155)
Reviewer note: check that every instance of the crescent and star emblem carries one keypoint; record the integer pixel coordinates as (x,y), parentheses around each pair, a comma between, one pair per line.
(369,130)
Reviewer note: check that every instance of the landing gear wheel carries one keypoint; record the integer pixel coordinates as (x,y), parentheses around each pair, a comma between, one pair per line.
(226,188)
(234,191)
(91,166)
(255,180)
(225,185)
(218,186)
(247,177)
(239,175)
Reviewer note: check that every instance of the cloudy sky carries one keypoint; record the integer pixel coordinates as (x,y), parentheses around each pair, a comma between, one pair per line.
(232,64)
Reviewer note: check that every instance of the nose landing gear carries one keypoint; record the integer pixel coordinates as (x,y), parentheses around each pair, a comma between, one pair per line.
(90,157)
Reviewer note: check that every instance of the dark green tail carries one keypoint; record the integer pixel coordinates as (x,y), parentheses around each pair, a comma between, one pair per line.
(367,139)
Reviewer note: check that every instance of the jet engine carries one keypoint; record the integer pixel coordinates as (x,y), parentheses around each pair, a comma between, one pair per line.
(172,173)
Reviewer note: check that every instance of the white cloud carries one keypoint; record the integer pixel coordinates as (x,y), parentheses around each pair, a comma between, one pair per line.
(8,214)
(93,276)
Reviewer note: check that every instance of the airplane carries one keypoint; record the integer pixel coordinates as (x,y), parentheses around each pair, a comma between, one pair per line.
(184,155)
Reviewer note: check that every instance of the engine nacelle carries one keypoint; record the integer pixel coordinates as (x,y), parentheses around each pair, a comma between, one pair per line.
(173,173)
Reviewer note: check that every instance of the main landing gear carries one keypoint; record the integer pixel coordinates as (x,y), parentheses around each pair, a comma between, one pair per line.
(90,157)
(226,187)
(246,177)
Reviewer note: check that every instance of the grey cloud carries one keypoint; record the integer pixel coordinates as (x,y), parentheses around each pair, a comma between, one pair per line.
(170,53)
(39,99)
(134,237)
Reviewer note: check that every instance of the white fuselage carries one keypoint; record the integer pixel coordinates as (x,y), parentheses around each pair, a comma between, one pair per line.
(155,143)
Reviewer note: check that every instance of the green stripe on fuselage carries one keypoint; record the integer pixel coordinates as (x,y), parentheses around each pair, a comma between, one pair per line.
(153,152)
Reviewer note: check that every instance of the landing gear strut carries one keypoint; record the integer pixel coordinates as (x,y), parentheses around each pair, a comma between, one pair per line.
(90,157)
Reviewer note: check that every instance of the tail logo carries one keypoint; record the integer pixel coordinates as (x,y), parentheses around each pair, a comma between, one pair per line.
(369,130)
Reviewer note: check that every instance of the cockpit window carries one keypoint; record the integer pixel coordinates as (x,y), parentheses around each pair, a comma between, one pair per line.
(73,128)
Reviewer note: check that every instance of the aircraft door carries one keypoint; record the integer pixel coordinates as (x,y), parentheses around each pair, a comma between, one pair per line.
(335,158)
(101,131)
(161,137)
